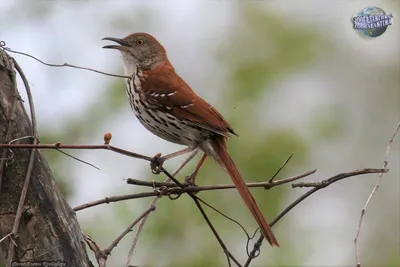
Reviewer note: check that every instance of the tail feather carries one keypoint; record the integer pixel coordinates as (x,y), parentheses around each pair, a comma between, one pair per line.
(223,158)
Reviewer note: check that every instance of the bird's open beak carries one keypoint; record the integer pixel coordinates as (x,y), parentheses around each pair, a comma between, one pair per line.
(123,44)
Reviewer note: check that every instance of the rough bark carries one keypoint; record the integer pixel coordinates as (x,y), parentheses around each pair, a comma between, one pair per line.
(49,230)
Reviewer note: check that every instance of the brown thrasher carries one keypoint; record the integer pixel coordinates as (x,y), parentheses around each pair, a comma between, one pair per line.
(167,106)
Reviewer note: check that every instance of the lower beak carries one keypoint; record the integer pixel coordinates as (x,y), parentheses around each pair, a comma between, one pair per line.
(123,44)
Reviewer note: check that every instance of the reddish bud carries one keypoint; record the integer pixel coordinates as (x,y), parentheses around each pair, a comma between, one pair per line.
(107,138)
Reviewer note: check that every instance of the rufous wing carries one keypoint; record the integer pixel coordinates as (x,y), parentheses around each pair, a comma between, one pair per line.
(169,91)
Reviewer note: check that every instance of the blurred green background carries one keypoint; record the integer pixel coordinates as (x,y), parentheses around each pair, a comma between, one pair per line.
(289,77)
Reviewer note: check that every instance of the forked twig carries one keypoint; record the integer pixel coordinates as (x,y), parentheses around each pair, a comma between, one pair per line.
(153,203)
(326,182)
(99,254)
(102,255)
(167,188)
(196,200)
(338,177)
(108,250)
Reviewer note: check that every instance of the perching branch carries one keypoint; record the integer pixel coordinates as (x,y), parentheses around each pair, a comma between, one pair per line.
(170,189)
(194,189)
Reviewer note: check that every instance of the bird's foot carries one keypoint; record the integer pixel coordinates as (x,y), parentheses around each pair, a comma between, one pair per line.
(156,163)
(190,179)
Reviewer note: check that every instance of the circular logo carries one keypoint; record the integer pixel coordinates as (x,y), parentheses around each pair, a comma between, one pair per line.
(372,21)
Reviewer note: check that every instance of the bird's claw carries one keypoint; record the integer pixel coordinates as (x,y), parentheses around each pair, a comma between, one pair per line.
(190,179)
(156,163)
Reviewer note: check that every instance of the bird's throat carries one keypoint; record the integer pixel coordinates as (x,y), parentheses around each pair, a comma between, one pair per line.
(129,62)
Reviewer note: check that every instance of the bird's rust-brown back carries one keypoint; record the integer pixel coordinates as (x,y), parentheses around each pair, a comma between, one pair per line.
(163,87)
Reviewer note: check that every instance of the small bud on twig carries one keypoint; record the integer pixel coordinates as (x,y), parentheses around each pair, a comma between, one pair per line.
(107,138)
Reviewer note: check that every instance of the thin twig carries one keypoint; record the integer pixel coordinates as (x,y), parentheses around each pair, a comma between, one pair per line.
(25,187)
(281,167)
(153,203)
(340,176)
(85,147)
(4,238)
(78,159)
(108,200)
(325,183)
(221,243)
(225,216)
(385,163)
(65,64)
(30,98)
(108,250)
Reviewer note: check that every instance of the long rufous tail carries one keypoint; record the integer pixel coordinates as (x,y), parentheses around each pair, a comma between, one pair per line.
(226,162)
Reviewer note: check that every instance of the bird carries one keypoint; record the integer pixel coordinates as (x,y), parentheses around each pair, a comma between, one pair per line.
(168,107)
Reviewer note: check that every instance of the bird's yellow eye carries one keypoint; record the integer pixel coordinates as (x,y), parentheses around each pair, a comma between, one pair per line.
(139,42)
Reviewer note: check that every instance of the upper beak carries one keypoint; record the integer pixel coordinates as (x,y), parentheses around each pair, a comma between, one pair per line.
(122,43)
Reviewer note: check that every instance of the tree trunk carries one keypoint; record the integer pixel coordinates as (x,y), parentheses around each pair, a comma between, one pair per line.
(48,230)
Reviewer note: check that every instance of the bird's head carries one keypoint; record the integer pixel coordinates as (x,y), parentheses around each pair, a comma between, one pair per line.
(139,50)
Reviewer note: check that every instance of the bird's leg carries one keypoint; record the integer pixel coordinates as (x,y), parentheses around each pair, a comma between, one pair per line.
(190,179)
(158,160)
